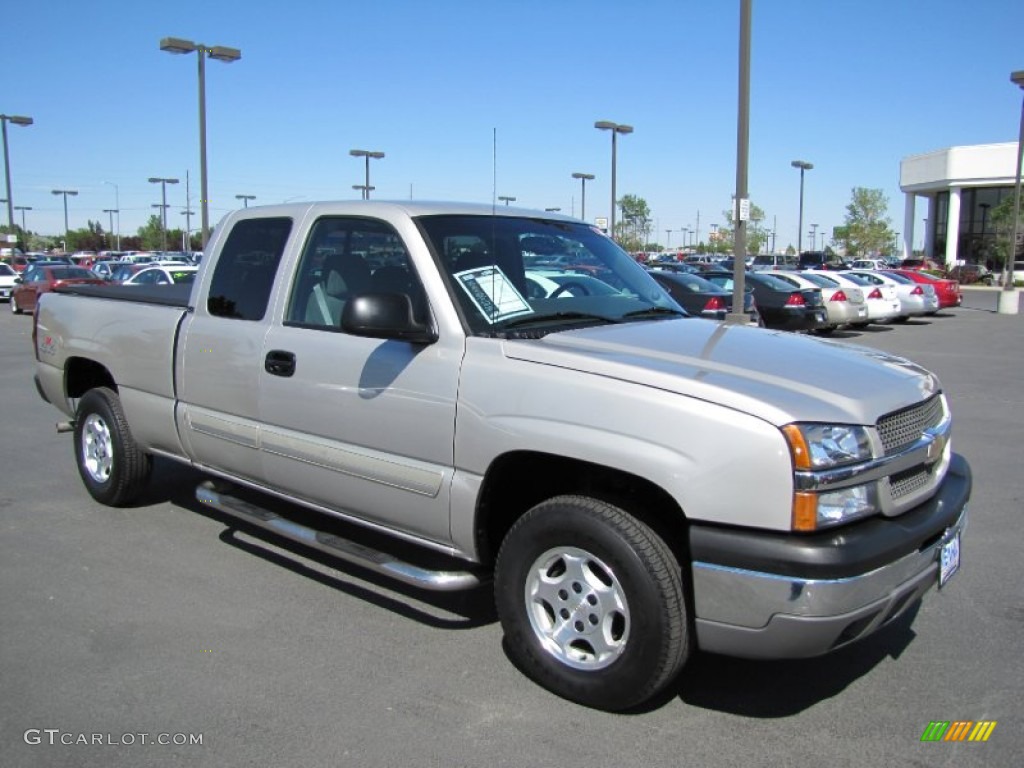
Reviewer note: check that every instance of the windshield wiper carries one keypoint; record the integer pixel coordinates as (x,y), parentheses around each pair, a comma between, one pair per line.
(554,317)
(654,312)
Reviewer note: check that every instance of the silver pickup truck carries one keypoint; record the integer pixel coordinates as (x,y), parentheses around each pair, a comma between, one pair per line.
(637,484)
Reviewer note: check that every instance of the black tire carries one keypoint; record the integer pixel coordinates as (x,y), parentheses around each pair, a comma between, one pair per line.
(113,468)
(590,563)
(859,325)
(825,331)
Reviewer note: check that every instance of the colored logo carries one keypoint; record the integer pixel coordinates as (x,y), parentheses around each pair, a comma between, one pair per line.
(958,730)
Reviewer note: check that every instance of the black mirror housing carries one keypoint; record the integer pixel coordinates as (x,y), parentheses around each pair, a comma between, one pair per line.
(384,316)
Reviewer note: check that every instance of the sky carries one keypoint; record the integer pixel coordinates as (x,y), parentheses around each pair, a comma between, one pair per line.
(474,100)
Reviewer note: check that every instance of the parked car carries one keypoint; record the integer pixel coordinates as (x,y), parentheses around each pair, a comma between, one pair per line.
(918,264)
(781,305)
(768,262)
(7,277)
(821,260)
(947,290)
(37,280)
(121,271)
(869,264)
(702,298)
(968,274)
(882,302)
(845,306)
(915,300)
(163,275)
(20,263)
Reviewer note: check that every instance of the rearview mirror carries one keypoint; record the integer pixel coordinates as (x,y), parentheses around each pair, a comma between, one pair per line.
(384,316)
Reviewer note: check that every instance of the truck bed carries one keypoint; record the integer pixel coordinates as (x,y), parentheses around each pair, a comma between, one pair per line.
(176,295)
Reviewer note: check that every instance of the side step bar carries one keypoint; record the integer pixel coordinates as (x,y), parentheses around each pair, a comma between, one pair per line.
(350,551)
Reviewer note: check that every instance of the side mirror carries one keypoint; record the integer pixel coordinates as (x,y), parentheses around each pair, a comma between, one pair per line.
(18,280)
(384,316)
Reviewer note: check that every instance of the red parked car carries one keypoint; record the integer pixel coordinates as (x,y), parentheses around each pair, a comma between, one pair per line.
(42,278)
(947,290)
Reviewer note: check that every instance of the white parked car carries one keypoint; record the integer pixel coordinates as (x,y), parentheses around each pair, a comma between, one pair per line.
(186,273)
(915,299)
(870,264)
(883,303)
(7,275)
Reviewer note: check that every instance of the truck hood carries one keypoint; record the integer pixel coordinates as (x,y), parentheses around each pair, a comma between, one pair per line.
(780,377)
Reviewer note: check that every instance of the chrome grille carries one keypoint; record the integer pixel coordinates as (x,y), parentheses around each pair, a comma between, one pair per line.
(903,428)
(906,483)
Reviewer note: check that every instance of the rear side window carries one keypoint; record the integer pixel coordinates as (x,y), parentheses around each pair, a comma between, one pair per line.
(246,268)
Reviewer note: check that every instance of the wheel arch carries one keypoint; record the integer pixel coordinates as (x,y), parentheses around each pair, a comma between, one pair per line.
(515,482)
(82,374)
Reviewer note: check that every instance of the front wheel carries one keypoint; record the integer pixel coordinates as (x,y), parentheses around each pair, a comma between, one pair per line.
(592,604)
(112,466)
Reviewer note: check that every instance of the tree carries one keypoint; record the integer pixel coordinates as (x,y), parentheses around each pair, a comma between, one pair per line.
(1001,219)
(757,235)
(634,225)
(868,229)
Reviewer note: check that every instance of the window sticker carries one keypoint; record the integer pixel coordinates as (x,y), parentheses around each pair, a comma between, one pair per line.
(492,293)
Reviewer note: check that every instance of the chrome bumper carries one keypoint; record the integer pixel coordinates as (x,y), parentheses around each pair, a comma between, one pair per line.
(760,614)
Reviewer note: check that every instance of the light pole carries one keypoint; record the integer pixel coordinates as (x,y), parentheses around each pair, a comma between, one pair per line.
(616,129)
(117,210)
(188,213)
(245,199)
(23,208)
(803,166)
(65,192)
(584,178)
(1008,287)
(17,120)
(367,154)
(111,211)
(363,190)
(219,53)
(814,236)
(163,202)
(506,199)
(553,210)
(668,239)
(741,204)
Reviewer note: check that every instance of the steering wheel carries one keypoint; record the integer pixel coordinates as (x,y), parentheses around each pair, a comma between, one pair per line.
(568,286)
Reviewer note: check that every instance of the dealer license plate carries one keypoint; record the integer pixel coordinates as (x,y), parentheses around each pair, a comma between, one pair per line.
(949,559)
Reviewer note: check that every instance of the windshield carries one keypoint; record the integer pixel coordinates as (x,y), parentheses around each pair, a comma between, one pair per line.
(514,272)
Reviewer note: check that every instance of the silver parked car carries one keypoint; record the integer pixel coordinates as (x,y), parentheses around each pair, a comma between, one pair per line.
(916,299)
(882,302)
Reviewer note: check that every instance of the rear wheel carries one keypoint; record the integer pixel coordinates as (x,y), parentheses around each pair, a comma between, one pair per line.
(592,604)
(112,466)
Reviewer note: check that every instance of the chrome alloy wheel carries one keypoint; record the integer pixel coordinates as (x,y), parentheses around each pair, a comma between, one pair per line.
(577,608)
(97,448)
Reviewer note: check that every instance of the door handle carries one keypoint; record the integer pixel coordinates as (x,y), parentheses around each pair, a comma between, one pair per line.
(279,362)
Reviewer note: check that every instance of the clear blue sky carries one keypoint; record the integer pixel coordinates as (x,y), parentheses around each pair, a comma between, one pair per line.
(851,86)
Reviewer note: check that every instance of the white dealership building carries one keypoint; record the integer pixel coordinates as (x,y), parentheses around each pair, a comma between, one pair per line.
(960,186)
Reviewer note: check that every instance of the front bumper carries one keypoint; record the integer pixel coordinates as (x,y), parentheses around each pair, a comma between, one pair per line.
(767,595)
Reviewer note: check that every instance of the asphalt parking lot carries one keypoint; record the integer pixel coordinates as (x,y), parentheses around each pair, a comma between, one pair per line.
(163,620)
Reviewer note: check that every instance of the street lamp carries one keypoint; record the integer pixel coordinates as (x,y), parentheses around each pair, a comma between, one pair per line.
(506,199)
(364,190)
(616,129)
(111,211)
(23,208)
(17,120)
(553,210)
(366,154)
(814,237)
(245,199)
(668,239)
(65,192)
(584,178)
(163,202)
(117,210)
(188,213)
(1018,79)
(219,53)
(803,166)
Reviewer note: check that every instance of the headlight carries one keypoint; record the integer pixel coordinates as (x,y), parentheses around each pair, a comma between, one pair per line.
(823,446)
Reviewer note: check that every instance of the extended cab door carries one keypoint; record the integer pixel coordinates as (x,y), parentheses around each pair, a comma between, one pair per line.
(363,426)
(220,361)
